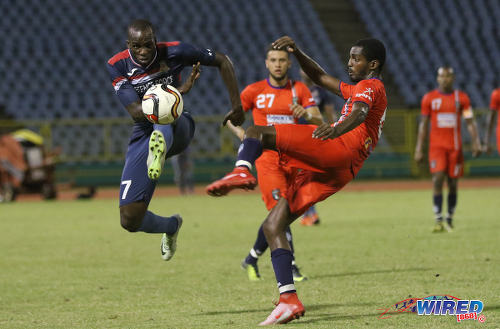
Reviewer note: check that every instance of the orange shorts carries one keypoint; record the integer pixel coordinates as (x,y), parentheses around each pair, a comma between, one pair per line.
(327,166)
(448,160)
(272,177)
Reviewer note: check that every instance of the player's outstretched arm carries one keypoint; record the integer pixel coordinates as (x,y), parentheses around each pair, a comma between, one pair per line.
(309,66)
(489,129)
(476,142)
(422,134)
(189,83)
(236,115)
(355,118)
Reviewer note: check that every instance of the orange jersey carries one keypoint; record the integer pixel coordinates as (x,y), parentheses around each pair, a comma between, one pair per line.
(328,165)
(365,136)
(445,111)
(271,105)
(495,106)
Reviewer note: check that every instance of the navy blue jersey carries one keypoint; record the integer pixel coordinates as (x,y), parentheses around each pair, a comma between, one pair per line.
(321,97)
(131,80)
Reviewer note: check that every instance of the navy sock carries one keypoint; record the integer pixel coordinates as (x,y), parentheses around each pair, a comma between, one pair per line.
(260,244)
(438,204)
(152,223)
(452,203)
(250,149)
(259,247)
(282,264)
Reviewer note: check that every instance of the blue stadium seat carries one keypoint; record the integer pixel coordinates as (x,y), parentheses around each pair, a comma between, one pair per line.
(461,33)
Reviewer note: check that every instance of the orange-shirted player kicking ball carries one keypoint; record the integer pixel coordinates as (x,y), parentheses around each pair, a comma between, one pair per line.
(329,156)
(444,107)
(276,100)
(495,108)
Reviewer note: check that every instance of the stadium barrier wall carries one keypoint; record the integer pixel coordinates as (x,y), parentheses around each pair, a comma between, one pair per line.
(93,149)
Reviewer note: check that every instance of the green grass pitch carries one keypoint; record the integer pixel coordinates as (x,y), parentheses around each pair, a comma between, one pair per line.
(69,264)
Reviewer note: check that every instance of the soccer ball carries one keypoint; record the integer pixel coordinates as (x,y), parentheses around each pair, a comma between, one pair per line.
(162,104)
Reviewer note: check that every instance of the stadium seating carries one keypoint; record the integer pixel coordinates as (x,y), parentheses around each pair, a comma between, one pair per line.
(57,50)
(54,58)
(422,35)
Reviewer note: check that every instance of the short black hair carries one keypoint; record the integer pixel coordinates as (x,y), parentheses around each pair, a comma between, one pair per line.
(372,49)
(141,25)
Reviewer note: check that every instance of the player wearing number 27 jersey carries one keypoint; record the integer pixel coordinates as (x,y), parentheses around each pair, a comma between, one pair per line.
(270,106)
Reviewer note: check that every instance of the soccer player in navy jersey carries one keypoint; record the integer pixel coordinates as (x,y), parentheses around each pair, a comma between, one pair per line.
(146,62)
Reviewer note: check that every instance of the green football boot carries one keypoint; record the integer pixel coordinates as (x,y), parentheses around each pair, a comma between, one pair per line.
(156,155)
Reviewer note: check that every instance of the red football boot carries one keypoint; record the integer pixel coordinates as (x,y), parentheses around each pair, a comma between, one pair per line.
(240,177)
(289,308)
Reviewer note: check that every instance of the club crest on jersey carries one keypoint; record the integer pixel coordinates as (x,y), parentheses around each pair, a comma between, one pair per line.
(368,142)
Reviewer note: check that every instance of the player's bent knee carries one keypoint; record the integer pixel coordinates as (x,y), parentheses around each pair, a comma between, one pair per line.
(253,132)
(131,218)
(270,228)
(266,134)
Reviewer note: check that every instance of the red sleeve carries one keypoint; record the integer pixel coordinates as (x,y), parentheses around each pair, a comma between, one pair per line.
(363,91)
(247,98)
(346,89)
(425,106)
(494,103)
(464,101)
(304,94)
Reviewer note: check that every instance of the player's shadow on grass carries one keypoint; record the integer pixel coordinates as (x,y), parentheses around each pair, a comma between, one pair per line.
(315,307)
(336,275)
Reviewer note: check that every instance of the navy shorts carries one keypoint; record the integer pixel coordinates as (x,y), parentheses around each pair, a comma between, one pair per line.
(135,183)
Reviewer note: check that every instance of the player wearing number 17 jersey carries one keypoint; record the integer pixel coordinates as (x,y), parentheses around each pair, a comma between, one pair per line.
(444,107)
(329,156)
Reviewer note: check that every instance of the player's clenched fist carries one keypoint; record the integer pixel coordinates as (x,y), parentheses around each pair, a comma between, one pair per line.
(236,115)
(300,112)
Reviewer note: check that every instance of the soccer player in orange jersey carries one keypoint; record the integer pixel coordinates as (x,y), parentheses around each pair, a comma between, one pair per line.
(329,156)
(494,107)
(276,100)
(326,108)
(444,107)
